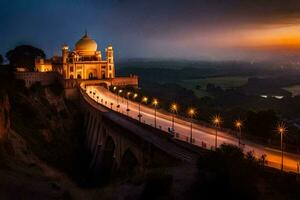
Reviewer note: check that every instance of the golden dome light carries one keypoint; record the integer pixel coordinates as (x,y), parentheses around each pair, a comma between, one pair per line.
(86,44)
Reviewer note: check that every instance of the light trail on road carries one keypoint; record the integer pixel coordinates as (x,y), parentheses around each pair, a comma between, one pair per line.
(202,136)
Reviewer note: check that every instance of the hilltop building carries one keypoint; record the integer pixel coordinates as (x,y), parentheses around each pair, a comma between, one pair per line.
(84,62)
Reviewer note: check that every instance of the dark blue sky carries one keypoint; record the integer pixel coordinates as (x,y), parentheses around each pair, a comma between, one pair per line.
(197,29)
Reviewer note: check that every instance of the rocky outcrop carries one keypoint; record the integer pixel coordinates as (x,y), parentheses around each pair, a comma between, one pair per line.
(4,116)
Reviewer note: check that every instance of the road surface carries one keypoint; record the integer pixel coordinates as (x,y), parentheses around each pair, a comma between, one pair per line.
(201,136)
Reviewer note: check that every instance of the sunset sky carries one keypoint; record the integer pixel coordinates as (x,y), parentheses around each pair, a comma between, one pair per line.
(189,29)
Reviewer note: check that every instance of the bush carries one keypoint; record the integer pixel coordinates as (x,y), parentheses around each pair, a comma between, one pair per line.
(37,88)
(226,171)
(261,123)
(157,185)
(57,89)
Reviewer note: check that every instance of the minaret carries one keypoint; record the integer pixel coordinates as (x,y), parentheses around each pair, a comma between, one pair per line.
(65,51)
(110,61)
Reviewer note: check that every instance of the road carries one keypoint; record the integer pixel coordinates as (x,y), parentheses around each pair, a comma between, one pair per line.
(201,136)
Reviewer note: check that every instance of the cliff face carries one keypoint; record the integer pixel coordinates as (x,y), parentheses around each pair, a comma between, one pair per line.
(4,117)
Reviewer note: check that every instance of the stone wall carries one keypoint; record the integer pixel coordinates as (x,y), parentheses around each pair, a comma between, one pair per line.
(45,78)
(124,81)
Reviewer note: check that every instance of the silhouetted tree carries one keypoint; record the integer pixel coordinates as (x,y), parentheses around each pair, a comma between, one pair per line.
(24,56)
(1,59)
(225,174)
(261,123)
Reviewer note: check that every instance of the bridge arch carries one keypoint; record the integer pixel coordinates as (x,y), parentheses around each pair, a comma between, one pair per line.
(129,162)
(107,160)
(117,146)
(108,152)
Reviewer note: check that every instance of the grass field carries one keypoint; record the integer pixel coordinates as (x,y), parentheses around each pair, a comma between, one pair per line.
(294,89)
(225,82)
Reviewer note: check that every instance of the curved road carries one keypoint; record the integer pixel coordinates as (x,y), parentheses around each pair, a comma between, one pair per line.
(202,136)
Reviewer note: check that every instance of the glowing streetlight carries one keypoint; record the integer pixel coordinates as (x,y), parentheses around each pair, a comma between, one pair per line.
(191,113)
(135,95)
(144,100)
(128,95)
(216,121)
(281,129)
(174,108)
(238,125)
(114,89)
(155,103)
(119,93)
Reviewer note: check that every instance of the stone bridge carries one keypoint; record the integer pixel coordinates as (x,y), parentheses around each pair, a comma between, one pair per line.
(118,143)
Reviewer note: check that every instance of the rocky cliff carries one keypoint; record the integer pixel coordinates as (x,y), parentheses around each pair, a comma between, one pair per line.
(4,116)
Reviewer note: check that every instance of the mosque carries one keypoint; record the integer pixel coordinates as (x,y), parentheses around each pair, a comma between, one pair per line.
(84,62)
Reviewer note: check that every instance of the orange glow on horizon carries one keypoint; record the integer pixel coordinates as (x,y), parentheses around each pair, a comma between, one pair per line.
(284,38)
(265,37)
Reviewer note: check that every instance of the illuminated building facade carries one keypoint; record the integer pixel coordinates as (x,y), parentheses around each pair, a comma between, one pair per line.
(84,62)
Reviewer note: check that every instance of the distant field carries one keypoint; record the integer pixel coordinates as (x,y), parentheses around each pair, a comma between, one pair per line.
(225,82)
(294,89)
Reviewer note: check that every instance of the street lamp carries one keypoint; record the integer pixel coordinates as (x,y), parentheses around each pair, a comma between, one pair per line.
(238,125)
(119,92)
(216,121)
(128,95)
(114,89)
(191,113)
(145,100)
(174,111)
(155,102)
(281,129)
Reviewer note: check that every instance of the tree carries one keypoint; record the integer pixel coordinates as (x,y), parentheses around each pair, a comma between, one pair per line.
(1,59)
(24,56)
(261,123)
(225,174)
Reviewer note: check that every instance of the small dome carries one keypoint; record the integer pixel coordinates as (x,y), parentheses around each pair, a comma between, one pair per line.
(86,44)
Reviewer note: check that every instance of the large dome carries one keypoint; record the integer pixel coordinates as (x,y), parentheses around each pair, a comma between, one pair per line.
(86,44)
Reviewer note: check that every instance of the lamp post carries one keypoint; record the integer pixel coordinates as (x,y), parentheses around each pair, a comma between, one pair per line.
(281,129)
(155,103)
(119,92)
(114,89)
(174,111)
(128,95)
(191,113)
(145,100)
(238,125)
(216,121)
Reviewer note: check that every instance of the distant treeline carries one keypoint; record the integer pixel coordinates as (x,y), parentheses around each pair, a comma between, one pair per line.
(173,71)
